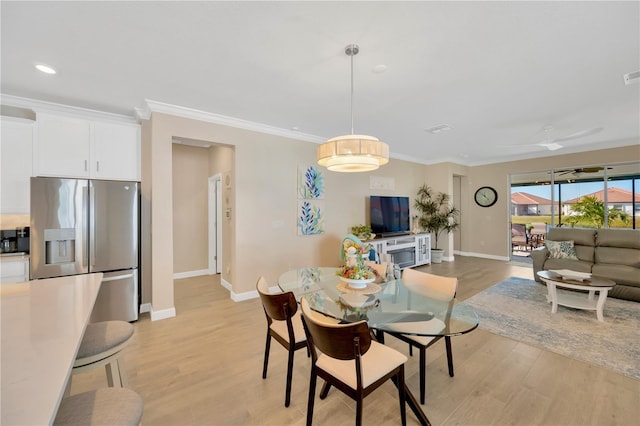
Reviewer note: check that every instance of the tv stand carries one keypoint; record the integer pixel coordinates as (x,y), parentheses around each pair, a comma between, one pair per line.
(393,234)
(407,250)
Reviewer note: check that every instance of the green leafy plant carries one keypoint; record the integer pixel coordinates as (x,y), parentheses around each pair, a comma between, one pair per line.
(436,212)
(590,211)
(361,231)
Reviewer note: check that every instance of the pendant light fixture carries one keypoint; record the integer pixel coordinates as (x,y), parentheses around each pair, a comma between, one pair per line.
(353,153)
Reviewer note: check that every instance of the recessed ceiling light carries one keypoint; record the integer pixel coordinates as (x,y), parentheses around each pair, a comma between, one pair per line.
(379,69)
(45,69)
(439,128)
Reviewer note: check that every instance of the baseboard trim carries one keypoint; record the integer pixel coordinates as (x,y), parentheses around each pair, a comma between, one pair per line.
(162,314)
(240,297)
(145,307)
(189,274)
(482,255)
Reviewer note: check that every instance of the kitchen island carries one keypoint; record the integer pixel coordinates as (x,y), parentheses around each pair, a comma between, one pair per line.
(42,323)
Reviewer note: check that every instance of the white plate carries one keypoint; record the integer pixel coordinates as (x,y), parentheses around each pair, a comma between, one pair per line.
(568,274)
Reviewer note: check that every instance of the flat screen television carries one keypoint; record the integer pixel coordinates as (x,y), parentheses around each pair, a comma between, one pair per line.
(389,215)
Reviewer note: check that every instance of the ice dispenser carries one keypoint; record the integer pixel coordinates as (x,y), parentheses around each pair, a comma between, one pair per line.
(60,245)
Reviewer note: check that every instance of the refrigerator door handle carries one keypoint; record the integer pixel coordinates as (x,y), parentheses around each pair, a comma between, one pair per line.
(92,226)
(117,277)
(83,227)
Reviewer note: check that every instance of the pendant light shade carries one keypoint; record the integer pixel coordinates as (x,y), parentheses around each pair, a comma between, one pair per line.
(353,153)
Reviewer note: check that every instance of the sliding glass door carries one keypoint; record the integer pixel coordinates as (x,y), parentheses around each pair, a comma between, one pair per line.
(604,196)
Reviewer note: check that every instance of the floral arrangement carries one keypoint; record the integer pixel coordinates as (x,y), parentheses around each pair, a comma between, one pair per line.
(349,244)
(354,267)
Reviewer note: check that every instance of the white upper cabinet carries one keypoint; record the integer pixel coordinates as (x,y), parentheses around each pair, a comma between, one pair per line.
(63,146)
(81,148)
(116,151)
(16,150)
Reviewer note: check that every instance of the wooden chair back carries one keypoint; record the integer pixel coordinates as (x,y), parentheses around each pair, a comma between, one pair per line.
(278,306)
(435,286)
(339,341)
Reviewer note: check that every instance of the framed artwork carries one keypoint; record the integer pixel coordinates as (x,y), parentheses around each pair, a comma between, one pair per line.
(310,218)
(310,183)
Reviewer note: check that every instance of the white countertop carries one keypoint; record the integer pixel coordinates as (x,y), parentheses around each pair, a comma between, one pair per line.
(11,257)
(42,322)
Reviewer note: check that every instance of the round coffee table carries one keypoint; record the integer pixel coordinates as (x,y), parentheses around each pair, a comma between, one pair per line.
(575,299)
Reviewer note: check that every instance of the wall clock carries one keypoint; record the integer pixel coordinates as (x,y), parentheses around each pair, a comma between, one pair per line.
(486,196)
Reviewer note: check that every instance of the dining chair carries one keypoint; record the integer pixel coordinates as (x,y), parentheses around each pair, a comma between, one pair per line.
(379,268)
(437,287)
(345,356)
(284,325)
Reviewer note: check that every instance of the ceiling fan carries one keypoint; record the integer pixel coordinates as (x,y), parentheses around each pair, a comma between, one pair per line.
(580,170)
(553,144)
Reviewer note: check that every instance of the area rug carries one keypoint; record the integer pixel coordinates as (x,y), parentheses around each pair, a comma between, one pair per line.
(517,308)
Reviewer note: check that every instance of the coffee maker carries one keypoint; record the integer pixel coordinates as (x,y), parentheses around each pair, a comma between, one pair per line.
(14,240)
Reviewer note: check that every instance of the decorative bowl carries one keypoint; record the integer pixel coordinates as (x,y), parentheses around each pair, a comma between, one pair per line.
(357,283)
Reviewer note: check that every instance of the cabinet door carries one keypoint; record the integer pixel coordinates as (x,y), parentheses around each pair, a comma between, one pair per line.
(16,148)
(423,249)
(63,146)
(14,272)
(116,151)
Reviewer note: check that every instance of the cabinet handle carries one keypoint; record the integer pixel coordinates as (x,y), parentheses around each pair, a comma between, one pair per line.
(97,166)
(85,165)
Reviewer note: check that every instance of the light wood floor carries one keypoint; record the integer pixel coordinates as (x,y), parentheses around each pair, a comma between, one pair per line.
(204,367)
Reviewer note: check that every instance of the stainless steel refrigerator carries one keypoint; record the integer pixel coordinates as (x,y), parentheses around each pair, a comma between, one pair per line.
(80,226)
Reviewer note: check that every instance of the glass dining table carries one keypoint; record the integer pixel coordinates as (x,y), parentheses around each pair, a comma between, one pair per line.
(390,306)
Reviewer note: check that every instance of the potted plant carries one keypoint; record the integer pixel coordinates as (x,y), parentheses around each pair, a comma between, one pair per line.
(436,215)
(362,231)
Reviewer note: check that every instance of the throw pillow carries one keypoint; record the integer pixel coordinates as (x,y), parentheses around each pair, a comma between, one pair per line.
(561,249)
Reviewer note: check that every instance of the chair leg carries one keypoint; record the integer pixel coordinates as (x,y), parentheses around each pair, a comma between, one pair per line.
(266,355)
(423,373)
(402,396)
(325,390)
(359,404)
(113,374)
(312,396)
(447,342)
(410,350)
(123,374)
(287,397)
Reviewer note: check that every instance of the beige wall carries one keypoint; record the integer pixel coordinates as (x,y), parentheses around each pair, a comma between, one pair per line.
(485,231)
(262,234)
(260,238)
(190,208)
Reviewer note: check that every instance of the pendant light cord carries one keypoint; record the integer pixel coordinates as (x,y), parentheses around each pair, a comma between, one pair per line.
(352,93)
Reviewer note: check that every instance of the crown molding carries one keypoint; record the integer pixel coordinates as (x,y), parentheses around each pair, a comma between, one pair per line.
(150,107)
(51,107)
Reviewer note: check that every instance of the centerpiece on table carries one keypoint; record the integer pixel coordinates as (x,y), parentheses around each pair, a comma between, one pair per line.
(354,271)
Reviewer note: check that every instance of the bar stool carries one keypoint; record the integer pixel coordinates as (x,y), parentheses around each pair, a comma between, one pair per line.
(105,406)
(102,345)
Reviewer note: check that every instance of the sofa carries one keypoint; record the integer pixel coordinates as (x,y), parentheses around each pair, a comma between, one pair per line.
(608,253)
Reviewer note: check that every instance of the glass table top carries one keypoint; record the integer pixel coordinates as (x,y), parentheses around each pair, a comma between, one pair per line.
(388,306)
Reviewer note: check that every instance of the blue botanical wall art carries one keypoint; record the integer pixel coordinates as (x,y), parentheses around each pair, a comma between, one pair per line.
(310,218)
(310,183)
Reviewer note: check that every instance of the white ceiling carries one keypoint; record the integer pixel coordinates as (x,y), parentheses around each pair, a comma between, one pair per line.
(496,72)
